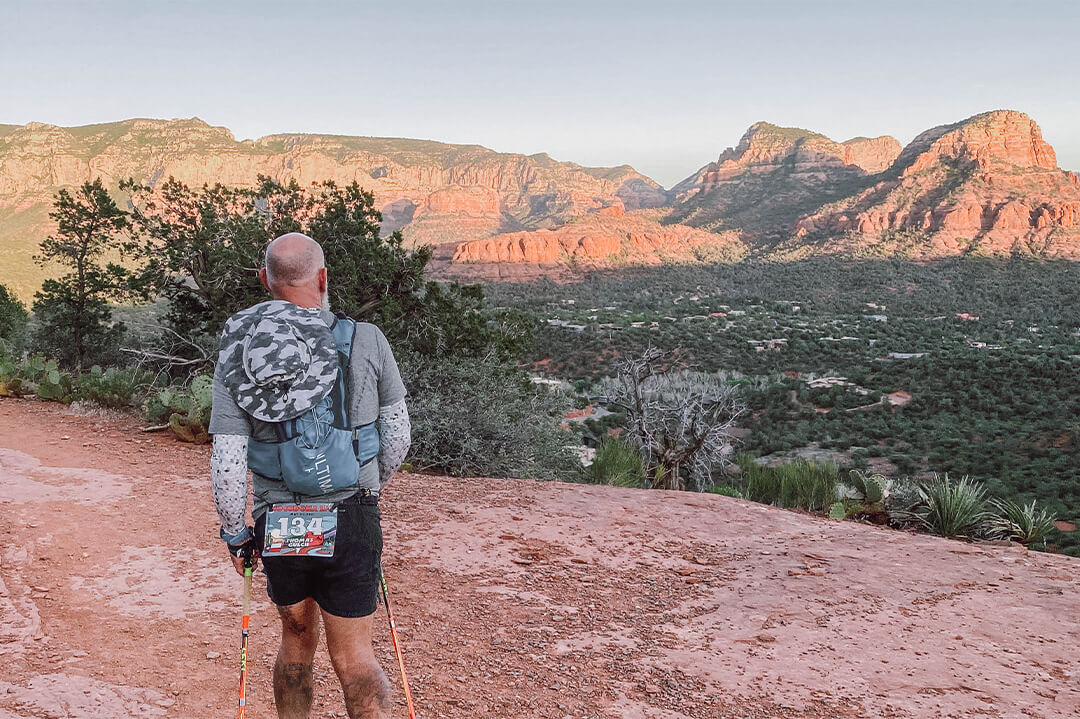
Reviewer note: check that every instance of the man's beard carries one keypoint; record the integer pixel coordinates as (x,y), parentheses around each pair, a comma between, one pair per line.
(324,301)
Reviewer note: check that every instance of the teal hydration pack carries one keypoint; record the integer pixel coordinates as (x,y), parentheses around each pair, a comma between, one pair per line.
(320,451)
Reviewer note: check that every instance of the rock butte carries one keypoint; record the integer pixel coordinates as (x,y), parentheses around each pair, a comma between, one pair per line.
(988,184)
(766,148)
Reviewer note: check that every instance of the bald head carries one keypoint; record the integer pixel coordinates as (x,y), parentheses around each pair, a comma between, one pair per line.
(293,260)
(296,270)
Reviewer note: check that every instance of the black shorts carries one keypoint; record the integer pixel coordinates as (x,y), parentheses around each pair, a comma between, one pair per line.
(346,584)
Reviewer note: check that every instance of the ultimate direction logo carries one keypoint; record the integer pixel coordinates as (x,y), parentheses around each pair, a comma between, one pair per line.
(322,473)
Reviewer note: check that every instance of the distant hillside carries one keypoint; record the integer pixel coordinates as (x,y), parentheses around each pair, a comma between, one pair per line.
(434,192)
(989,185)
(774,176)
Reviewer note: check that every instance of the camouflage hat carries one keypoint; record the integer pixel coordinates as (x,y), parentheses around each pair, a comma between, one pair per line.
(278,360)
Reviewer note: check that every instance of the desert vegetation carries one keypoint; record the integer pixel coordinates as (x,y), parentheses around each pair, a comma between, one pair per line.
(188,255)
(900,371)
(966,366)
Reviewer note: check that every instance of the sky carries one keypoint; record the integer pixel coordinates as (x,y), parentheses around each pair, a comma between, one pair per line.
(664,86)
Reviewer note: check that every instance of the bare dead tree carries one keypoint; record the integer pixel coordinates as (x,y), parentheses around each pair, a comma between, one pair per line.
(680,420)
(172,351)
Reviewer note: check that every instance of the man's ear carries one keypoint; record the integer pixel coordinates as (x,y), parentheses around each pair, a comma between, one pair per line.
(322,280)
(262,279)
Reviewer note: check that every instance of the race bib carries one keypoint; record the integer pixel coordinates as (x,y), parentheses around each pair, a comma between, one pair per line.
(306,530)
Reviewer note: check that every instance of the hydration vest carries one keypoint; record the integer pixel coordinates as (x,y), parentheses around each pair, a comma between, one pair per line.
(320,451)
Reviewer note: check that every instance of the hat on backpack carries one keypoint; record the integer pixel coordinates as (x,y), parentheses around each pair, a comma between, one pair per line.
(278,360)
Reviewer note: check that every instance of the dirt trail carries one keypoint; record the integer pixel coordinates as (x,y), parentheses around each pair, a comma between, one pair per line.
(516,599)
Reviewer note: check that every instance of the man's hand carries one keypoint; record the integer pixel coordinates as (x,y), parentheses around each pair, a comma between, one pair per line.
(244,554)
(238,563)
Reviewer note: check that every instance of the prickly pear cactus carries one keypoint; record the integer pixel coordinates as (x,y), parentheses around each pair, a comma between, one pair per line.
(190,409)
(34,376)
(52,384)
(868,493)
(187,430)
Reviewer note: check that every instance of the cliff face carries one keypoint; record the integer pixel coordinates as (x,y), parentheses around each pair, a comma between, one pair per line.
(989,184)
(432,191)
(36,159)
(602,238)
(872,154)
(774,175)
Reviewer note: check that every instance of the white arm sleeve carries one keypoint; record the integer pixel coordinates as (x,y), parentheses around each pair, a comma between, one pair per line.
(395,437)
(228,480)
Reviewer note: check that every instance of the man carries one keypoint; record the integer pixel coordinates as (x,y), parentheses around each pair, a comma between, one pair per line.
(270,367)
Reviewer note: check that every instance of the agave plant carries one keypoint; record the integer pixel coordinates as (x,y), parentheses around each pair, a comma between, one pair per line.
(953,509)
(1020,522)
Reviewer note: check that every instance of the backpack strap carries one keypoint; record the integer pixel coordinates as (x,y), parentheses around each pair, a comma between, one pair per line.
(365,439)
(343,330)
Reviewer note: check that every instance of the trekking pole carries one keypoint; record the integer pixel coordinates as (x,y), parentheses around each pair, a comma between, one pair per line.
(248,564)
(397,647)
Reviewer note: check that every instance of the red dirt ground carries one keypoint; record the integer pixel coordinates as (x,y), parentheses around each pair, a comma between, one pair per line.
(515,598)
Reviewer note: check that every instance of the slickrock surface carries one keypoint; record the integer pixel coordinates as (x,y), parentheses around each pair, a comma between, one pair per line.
(989,185)
(515,599)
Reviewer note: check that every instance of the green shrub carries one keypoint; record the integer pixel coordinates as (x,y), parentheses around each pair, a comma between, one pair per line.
(798,485)
(953,509)
(762,484)
(808,485)
(484,418)
(13,319)
(904,496)
(114,387)
(617,463)
(725,491)
(1020,522)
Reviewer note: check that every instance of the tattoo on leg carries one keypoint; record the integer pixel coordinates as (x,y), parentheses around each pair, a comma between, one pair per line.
(293,689)
(367,693)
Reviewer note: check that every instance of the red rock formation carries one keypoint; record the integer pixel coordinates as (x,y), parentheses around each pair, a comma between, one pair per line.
(872,154)
(600,239)
(774,175)
(432,191)
(765,148)
(473,201)
(989,184)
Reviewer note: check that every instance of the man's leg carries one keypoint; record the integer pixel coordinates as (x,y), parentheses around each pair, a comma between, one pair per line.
(366,689)
(293,683)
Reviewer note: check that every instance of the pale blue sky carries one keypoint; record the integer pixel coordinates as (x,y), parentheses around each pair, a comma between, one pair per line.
(663,86)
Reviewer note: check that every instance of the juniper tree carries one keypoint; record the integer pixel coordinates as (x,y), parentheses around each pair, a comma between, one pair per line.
(201,249)
(13,319)
(75,318)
